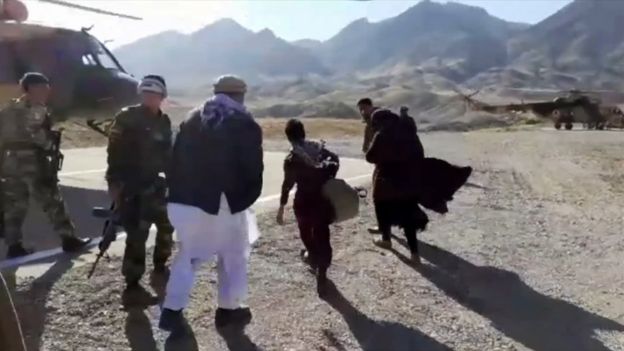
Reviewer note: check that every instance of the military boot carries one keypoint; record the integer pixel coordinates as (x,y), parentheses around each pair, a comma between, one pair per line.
(17,250)
(74,244)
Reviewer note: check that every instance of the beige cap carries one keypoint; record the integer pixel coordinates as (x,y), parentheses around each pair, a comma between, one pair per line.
(230,84)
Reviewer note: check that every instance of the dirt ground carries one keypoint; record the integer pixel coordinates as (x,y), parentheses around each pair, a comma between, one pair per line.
(529,258)
(77,134)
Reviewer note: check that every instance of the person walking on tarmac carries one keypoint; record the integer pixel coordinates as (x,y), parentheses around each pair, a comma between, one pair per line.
(309,165)
(26,167)
(139,149)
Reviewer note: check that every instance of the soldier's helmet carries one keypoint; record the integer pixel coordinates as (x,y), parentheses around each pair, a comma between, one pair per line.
(403,110)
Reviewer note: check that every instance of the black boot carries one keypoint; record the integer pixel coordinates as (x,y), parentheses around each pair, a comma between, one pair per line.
(238,317)
(17,250)
(136,296)
(74,244)
(172,321)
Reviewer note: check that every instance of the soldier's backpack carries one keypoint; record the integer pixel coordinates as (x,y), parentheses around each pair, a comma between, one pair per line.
(344,199)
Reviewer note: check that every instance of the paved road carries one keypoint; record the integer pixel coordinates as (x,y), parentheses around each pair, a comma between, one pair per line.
(83,185)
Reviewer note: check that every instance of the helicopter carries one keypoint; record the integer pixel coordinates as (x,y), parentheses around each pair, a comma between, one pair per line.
(573,106)
(85,76)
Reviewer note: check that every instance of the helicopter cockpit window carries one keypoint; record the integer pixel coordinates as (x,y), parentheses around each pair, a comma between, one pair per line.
(106,61)
(88,60)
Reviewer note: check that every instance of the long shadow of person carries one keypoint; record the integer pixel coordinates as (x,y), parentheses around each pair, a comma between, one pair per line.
(537,321)
(184,341)
(30,304)
(236,339)
(139,331)
(375,335)
(138,327)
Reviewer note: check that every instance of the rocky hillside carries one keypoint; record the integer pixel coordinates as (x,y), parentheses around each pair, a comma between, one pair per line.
(431,48)
(582,45)
(222,47)
(453,40)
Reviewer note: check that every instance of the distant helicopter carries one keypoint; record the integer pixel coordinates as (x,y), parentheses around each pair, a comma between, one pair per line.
(85,75)
(573,106)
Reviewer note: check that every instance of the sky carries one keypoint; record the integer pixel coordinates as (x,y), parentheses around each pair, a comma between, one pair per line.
(288,19)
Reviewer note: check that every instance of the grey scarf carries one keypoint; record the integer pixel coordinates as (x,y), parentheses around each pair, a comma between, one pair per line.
(309,151)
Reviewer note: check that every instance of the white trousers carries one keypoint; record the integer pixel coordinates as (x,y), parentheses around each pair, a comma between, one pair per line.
(202,237)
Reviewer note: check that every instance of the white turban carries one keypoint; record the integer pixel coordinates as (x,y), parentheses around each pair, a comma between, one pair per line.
(153,85)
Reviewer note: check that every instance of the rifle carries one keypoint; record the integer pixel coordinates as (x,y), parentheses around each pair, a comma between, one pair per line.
(102,127)
(55,154)
(109,232)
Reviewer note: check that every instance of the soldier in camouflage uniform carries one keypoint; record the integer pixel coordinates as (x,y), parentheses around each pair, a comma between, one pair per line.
(25,127)
(139,149)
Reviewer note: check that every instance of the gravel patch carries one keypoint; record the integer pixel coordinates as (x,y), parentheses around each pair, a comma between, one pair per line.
(529,258)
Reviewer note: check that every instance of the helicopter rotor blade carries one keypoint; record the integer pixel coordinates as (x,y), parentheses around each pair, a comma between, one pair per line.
(90,9)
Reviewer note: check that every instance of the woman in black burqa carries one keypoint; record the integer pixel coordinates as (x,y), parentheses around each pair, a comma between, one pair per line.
(404,179)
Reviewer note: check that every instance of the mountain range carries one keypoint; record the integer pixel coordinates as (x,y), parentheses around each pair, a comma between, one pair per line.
(431,47)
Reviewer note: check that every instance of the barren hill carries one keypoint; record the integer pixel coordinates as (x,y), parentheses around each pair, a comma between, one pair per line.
(222,47)
(418,58)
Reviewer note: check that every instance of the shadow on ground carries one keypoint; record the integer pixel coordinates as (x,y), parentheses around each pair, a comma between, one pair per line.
(537,321)
(375,335)
(138,330)
(184,342)
(30,302)
(236,339)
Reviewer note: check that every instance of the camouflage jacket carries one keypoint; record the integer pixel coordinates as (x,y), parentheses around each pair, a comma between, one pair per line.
(139,147)
(24,132)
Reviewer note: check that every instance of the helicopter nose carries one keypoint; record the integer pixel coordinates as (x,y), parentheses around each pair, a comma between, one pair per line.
(127,91)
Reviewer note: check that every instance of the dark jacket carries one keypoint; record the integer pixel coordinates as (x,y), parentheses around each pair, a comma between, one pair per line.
(139,147)
(309,199)
(397,153)
(403,173)
(209,160)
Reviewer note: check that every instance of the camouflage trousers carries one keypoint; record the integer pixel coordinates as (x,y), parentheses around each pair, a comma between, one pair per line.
(146,209)
(16,200)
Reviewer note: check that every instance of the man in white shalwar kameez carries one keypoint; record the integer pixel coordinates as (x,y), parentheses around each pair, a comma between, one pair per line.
(215,177)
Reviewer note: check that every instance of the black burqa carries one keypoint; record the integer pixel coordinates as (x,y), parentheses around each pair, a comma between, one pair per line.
(432,182)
